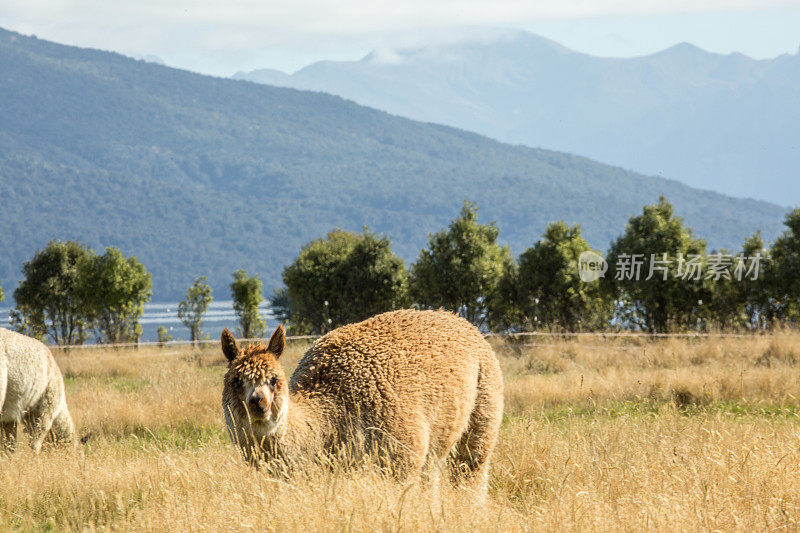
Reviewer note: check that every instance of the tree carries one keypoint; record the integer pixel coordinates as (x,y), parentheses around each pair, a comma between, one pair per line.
(247,296)
(28,321)
(671,298)
(49,299)
(461,267)
(744,299)
(757,289)
(784,276)
(194,307)
(281,308)
(115,289)
(163,335)
(725,307)
(547,289)
(343,278)
(505,308)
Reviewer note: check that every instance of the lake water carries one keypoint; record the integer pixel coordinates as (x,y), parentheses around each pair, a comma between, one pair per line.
(220,315)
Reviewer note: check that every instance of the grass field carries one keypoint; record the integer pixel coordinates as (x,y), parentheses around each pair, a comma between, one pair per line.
(626,433)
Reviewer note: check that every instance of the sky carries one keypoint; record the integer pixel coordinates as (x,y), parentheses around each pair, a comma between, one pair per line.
(223,37)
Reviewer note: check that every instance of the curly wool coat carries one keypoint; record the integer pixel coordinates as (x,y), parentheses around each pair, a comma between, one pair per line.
(32,392)
(413,385)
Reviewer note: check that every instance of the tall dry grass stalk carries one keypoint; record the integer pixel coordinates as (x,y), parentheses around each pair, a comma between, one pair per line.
(672,434)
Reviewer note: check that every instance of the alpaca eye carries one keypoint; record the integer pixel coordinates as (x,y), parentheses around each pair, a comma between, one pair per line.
(273,381)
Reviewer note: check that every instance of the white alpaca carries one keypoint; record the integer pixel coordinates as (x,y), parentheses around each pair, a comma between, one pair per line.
(31,392)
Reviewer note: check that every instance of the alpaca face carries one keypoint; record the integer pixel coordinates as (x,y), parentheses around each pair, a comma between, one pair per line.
(260,397)
(256,391)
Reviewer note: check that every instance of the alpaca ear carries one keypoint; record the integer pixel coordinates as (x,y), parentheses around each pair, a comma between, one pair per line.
(229,347)
(278,341)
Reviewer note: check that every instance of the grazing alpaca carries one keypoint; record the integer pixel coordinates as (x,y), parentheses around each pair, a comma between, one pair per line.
(32,392)
(413,385)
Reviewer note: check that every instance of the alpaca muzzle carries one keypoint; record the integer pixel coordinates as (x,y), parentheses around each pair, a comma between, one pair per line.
(259,405)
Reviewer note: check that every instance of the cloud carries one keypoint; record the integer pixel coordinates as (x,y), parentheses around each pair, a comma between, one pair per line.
(207,35)
(244,24)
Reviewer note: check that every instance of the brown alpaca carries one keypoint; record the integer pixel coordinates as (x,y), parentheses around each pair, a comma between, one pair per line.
(412,385)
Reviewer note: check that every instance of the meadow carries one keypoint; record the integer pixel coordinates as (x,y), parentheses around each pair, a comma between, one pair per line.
(599,433)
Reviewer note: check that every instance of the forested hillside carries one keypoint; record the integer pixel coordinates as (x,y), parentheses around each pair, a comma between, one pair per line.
(200,175)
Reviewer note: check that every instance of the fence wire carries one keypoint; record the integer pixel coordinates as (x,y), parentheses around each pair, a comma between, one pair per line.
(600,334)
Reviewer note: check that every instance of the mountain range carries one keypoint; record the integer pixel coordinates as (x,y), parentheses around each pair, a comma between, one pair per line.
(197,175)
(721,122)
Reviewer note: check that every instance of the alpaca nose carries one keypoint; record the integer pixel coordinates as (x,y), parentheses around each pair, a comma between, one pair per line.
(257,402)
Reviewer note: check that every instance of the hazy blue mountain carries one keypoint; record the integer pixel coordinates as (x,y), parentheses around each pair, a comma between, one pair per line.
(721,122)
(201,175)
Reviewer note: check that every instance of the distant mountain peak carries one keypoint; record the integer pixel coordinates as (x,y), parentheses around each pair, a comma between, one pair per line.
(526,37)
(683,49)
(500,41)
(383,56)
(268,76)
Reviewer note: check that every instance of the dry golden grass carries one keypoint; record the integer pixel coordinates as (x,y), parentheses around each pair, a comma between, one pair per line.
(630,434)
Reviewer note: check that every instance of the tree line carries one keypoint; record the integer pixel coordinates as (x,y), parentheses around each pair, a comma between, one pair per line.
(70,294)
(346,277)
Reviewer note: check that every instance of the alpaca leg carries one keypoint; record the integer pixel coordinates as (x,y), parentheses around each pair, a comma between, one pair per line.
(400,448)
(62,431)
(469,461)
(469,464)
(8,428)
(37,423)
(37,429)
(409,450)
(8,435)
(3,384)
(432,472)
(411,459)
